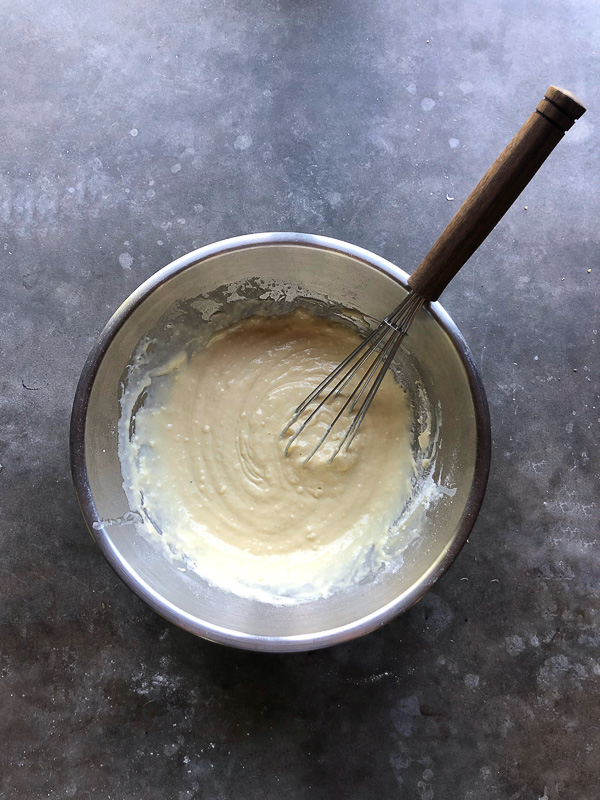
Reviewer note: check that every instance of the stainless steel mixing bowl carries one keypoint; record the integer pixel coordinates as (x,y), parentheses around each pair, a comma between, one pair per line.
(352,278)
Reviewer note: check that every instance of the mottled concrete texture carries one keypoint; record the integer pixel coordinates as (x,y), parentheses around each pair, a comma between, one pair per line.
(133,132)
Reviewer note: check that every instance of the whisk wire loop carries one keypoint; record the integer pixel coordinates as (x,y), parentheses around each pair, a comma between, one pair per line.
(381,346)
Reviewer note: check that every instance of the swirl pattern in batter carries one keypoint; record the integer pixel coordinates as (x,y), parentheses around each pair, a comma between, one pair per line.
(205,465)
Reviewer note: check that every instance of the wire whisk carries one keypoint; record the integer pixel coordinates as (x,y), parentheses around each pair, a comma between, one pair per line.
(475,219)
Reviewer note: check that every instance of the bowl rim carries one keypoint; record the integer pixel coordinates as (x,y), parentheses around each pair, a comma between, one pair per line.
(227,636)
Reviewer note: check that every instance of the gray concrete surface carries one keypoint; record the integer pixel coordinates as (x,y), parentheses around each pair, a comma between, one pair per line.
(133,132)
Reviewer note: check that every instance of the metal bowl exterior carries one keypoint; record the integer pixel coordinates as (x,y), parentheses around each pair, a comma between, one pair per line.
(226,634)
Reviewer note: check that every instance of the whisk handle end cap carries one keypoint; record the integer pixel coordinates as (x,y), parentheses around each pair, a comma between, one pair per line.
(561,107)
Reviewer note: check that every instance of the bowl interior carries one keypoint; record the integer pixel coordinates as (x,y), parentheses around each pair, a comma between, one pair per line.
(350,279)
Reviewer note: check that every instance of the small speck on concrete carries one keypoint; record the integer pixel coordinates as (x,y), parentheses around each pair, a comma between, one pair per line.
(126,260)
(243,142)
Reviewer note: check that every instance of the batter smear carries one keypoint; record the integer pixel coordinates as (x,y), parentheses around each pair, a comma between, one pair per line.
(203,462)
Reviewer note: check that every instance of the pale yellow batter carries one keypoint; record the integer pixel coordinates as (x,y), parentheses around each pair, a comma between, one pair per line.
(206,470)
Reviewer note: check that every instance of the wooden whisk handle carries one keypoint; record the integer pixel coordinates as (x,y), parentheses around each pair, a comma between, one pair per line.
(496,191)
